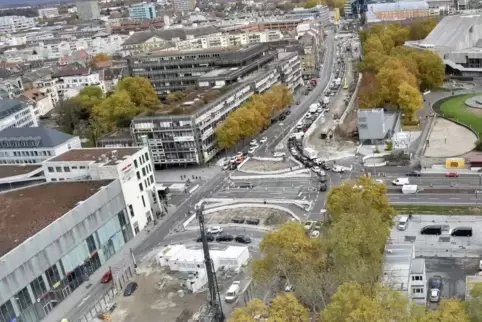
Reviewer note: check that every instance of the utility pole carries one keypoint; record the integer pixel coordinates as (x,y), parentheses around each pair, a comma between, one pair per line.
(214,310)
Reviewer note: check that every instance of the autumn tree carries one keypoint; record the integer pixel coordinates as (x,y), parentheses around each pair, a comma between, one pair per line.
(310,4)
(100,58)
(420,29)
(410,101)
(140,92)
(247,120)
(368,96)
(431,68)
(474,304)
(254,310)
(392,74)
(450,310)
(228,134)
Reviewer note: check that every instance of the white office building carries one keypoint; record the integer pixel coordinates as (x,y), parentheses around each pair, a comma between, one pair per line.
(14,113)
(31,145)
(88,10)
(10,24)
(48,12)
(77,78)
(133,166)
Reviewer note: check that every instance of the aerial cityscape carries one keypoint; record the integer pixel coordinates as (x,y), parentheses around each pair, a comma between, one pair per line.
(241,161)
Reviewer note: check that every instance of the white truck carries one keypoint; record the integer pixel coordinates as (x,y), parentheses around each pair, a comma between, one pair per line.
(326,100)
(310,153)
(338,82)
(409,189)
(314,107)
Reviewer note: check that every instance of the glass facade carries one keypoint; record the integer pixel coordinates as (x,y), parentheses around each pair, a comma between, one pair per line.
(40,296)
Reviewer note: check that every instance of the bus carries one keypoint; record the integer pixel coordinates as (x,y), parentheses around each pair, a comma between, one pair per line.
(345,85)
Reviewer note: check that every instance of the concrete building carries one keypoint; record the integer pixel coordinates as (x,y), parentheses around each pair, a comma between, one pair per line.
(48,86)
(318,13)
(48,12)
(88,10)
(54,236)
(30,145)
(311,39)
(402,10)
(171,71)
(132,166)
(15,113)
(121,138)
(20,176)
(142,11)
(184,5)
(405,273)
(458,41)
(12,24)
(76,79)
(41,102)
(375,125)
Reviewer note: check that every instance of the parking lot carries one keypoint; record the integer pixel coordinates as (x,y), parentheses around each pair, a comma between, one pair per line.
(443,245)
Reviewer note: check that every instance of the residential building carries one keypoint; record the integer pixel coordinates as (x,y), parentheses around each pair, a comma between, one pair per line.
(11,87)
(186,134)
(41,102)
(458,41)
(319,13)
(48,12)
(405,273)
(132,166)
(311,38)
(76,79)
(121,138)
(30,145)
(12,24)
(47,85)
(289,69)
(171,71)
(402,10)
(54,236)
(88,10)
(127,26)
(376,125)
(15,113)
(142,11)
(184,5)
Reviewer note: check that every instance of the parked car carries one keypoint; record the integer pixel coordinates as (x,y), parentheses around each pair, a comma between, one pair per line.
(414,174)
(452,175)
(279,154)
(223,238)
(242,239)
(309,224)
(263,140)
(107,277)
(252,149)
(215,230)
(209,238)
(323,186)
(315,234)
(237,220)
(253,143)
(130,289)
(434,295)
(252,221)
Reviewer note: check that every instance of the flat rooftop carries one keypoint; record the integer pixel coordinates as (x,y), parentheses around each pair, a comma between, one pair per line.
(93,154)
(396,265)
(27,211)
(16,170)
(167,53)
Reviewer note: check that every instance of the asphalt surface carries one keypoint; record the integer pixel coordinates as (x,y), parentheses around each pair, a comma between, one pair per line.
(436,199)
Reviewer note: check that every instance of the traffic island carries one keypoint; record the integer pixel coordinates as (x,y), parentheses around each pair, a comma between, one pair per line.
(434,209)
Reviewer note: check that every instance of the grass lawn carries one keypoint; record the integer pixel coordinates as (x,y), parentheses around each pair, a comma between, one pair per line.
(455,108)
(439,210)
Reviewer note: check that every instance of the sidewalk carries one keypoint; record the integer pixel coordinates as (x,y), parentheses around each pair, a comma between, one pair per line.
(174,175)
(82,293)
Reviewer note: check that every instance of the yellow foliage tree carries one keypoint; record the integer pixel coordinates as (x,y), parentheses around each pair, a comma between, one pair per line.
(451,310)
(310,4)
(391,75)
(420,29)
(140,91)
(286,307)
(410,101)
(250,313)
(431,68)
(228,133)
(100,58)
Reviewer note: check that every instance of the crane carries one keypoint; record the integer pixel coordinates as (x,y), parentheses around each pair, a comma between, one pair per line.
(214,310)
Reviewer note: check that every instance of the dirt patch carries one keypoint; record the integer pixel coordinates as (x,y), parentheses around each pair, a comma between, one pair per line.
(350,124)
(475,111)
(257,165)
(267,216)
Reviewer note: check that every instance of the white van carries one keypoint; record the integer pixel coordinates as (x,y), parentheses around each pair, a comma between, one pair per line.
(233,292)
(401,182)
(403,223)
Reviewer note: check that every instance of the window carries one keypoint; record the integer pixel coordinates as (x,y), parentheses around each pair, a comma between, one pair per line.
(362,126)
(147,156)
(138,175)
(135,164)
(140,187)
(52,275)
(58,169)
(417,278)
(38,287)
(417,290)
(66,169)
(144,171)
(143,201)
(136,228)
(7,313)
(23,299)
(51,169)
(91,244)
(152,179)
(131,211)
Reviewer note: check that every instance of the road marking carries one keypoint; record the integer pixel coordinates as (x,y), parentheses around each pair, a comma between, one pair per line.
(454,198)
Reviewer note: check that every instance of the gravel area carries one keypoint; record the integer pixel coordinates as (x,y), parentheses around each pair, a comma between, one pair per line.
(257,165)
(267,216)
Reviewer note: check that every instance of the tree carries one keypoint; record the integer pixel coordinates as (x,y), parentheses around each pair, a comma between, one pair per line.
(420,29)
(140,91)
(431,68)
(247,120)
(368,96)
(310,4)
(373,61)
(113,110)
(410,100)
(474,305)
(228,133)
(174,97)
(286,308)
(452,310)
(398,33)
(354,302)
(389,78)
(69,115)
(88,97)
(255,309)
(100,58)
(373,44)
(286,252)
(284,93)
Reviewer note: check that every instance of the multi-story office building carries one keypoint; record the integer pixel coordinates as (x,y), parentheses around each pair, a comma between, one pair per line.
(11,24)
(171,71)
(88,10)
(14,113)
(184,5)
(41,102)
(54,236)
(186,134)
(30,145)
(397,11)
(142,11)
(318,13)
(48,12)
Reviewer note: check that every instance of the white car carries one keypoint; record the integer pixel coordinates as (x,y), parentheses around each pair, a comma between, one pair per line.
(294,152)
(239,155)
(309,224)
(315,234)
(253,143)
(215,230)
(253,149)
(338,169)
(279,154)
(263,140)
(434,295)
(316,169)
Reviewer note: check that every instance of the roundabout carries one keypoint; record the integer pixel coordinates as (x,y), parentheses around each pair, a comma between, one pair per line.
(474,101)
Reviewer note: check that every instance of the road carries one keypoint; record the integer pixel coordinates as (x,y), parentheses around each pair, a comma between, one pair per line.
(275,135)
(436,199)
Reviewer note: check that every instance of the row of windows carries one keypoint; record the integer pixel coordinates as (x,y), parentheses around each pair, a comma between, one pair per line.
(27,153)
(66,169)
(19,161)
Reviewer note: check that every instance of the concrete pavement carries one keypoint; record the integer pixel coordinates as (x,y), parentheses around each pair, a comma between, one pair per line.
(436,199)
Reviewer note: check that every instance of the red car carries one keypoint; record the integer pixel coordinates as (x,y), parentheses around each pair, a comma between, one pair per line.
(107,277)
(451,174)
